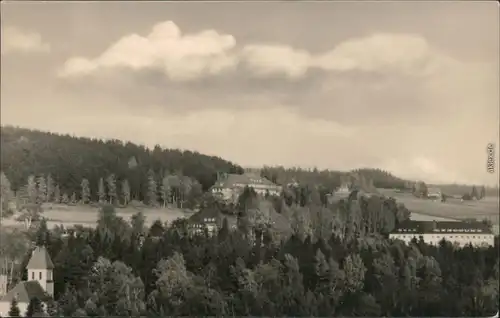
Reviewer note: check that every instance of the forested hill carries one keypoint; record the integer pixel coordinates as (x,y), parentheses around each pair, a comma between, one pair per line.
(330,179)
(69,159)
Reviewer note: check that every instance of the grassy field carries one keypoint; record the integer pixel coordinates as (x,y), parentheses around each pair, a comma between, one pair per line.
(453,209)
(87,215)
(421,210)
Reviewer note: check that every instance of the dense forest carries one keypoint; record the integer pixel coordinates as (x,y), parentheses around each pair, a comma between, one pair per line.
(303,253)
(68,160)
(123,269)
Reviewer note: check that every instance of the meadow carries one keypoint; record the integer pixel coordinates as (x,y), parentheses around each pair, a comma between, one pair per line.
(421,210)
(68,215)
(452,209)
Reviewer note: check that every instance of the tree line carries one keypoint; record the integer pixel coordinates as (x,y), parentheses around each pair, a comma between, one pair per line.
(368,179)
(173,190)
(420,189)
(68,160)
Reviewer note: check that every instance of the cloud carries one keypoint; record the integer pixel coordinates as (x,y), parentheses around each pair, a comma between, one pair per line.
(17,40)
(184,57)
(403,53)
(180,57)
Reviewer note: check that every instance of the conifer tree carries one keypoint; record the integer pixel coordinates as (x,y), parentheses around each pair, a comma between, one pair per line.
(126,191)
(14,309)
(111,182)
(85,191)
(42,189)
(50,188)
(152,195)
(100,191)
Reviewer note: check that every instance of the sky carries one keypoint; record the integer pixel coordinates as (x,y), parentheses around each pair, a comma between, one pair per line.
(410,87)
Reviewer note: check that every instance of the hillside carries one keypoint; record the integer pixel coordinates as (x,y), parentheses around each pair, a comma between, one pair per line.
(331,179)
(69,159)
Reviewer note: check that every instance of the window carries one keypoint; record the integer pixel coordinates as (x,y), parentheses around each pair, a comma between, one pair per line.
(32,275)
(40,275)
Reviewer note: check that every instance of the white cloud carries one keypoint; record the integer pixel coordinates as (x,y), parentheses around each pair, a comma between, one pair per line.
(17,40)
(404,53)
(181,57)
(190,56)
(265,60)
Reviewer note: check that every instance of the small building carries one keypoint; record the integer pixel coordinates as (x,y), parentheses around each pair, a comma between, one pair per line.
(39,284)
(433,232)
(210,219)
(230,186)
(434,193)
(342,192)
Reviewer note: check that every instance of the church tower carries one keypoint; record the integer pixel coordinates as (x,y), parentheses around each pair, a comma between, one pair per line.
(40,268)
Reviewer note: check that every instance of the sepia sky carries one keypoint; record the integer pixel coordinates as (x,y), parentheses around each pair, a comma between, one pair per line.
(411,87)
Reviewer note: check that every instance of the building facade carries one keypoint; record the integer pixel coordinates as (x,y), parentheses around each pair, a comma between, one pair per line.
(434,193)
(230,186)
(433,232)
(210,220)
(40,283)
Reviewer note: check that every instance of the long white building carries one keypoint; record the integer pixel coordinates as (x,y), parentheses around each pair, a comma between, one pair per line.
(433,232)
(230,186)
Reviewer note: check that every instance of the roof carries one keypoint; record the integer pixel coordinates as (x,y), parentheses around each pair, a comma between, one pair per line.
(233,180)
(25,291)
(204,213)
(209,213)
(433,190)
(422,227)
(40,259)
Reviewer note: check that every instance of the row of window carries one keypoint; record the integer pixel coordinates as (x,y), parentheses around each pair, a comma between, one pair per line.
(49,275)
(450,236)
(446,230)
(407,230)
(459,230)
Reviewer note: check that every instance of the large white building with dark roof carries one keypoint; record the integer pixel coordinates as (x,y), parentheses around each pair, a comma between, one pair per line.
(230,186)
(39,284)
(433,232)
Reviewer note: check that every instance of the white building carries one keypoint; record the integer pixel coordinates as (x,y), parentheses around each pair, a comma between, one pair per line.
(209,219)
(40,283)
(434,193)
(231,186)
(433,232)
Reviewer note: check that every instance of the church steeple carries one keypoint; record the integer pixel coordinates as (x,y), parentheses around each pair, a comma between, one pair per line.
(40,268)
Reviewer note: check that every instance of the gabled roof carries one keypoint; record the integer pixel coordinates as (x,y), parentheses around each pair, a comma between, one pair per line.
(231,180)
(25,291)
(200,216)
(433,191)
(40,259)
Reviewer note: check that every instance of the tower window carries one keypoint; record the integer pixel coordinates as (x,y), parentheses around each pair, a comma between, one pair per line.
(32,275)
(40,275)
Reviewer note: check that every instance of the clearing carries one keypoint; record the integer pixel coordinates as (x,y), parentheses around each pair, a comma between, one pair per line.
(86,215)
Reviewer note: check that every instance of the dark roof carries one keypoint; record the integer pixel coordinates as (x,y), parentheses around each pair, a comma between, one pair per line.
(209,213)
(25,291)
(40,259)
(200,216)
(422,227)
(433,190)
